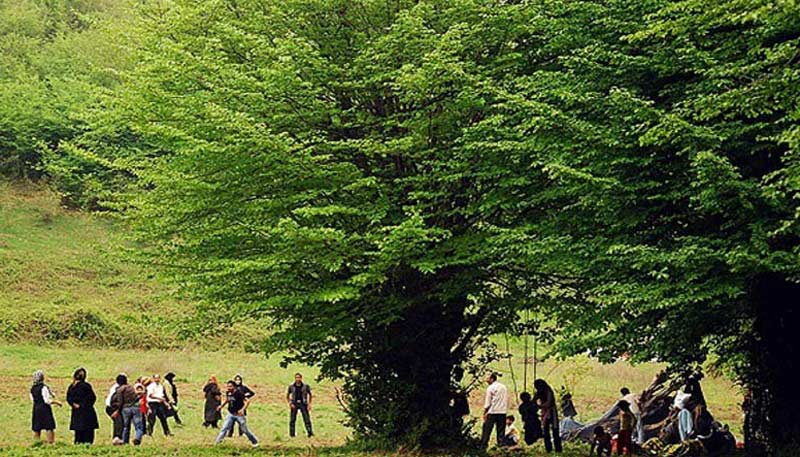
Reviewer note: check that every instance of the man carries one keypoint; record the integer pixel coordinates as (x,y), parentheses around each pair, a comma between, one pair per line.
(299,399)
(116,436)
(494,410)
(125,405)
(237,406)
(633,402)
(157,401)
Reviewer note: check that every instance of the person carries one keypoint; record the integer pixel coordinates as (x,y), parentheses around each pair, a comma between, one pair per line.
(529,412)
(601,442)
(213,396)
(627,422)
(81,398)
(495,408)
(636,410)
(511,436)
(116,430)
(248,394)
(237,404)
(126,405)
(299,399)
(567,407)
(43,399)
(685,419)
(546,399)
(172,396)
(157,403)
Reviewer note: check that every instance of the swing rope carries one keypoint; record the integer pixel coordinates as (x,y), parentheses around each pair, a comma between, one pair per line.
(511,368)
(525,359)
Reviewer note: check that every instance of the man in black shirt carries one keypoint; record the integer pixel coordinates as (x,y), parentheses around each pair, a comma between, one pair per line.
(237,404)
(299,399)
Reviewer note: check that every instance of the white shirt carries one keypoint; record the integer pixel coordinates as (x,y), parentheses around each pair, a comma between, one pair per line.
(633,400)
(47,396)
(496,399)
(155,392)
(111,393)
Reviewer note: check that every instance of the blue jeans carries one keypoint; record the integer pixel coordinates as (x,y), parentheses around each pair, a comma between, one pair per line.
(132,414)
(230,419)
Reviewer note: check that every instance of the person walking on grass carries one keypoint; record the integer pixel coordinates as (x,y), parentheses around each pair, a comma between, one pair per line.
(495,408)
(158,405)
(172,396)
(126,406)
(248,394)
(237,404)
(213,397)
(299,399)
(43,399)
(116,431)
(81,398)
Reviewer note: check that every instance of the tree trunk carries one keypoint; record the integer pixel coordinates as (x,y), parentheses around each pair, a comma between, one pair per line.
(772,409)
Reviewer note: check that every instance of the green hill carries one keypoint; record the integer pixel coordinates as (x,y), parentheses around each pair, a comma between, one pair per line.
(63,277)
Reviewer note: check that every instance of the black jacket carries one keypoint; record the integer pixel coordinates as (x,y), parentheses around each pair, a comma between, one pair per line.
(84,417)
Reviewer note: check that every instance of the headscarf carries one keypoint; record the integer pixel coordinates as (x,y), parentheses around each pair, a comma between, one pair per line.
(213,380)
(79,375)
(239,378)
(38,377)
(169,376)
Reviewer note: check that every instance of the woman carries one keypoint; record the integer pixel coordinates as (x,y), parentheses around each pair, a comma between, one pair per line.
(172,397)
(42,398)
(211,414)
(546,399)
(81,398)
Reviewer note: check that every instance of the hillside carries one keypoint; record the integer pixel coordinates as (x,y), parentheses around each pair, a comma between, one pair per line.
(63,276)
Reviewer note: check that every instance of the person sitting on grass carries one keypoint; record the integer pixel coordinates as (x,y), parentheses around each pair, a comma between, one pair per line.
(237,406)
(627,422)
(601,442)
(511,437)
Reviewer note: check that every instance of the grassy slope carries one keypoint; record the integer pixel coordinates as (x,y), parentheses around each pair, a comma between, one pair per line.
(55,262)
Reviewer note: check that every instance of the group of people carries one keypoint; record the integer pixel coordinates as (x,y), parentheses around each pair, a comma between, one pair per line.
(133,407)
(538,412)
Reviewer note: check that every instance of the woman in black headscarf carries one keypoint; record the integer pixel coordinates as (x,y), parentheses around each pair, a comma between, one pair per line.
(81,398)
(42,397)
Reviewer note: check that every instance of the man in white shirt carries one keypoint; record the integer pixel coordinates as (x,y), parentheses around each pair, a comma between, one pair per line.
(633,401)
(157,402)
(495,408)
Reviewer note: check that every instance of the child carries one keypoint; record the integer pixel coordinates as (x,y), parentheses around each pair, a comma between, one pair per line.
(627,422)
(601,441)
(511,438)
(529,412)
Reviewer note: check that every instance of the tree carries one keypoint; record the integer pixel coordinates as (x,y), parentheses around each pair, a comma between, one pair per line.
(297,161)
(668,135)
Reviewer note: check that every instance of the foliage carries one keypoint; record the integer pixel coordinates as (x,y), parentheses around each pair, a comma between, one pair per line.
(58,56)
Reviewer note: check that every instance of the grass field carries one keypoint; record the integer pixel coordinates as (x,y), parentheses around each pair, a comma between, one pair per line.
(595,390)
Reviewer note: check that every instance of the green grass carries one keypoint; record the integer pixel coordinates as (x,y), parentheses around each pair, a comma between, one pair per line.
(594,392)
(63,278)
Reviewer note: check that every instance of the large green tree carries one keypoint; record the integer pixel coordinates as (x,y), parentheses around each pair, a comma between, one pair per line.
(668,134)
(390,182)
(299,160)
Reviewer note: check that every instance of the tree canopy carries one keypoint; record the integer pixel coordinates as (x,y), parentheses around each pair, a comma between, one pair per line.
(392,182)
